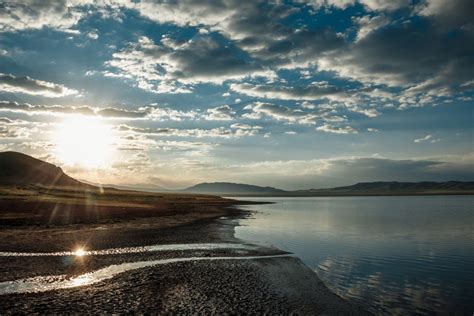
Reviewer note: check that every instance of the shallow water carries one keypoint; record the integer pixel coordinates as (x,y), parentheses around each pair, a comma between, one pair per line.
(128,250)
(56,282)
(395,255)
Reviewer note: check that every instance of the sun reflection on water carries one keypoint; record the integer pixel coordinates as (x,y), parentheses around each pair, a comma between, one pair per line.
(80,252)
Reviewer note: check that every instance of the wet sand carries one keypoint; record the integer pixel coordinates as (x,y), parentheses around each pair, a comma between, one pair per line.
(281,285)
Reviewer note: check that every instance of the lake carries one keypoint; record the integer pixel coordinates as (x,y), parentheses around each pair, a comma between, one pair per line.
(395,255)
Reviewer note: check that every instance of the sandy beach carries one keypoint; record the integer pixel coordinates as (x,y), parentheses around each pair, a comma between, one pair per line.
(232,284)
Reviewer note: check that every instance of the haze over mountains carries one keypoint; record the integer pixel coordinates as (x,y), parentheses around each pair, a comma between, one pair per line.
(367,188)
(23,170)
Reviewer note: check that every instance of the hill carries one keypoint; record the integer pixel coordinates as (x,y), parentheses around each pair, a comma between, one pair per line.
(23,170)
(228,188)
(396,188)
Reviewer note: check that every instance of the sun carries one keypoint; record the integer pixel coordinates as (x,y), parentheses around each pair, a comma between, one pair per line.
(84,141)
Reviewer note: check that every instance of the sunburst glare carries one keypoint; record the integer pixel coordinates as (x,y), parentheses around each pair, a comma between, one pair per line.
(84,141)
(80,252)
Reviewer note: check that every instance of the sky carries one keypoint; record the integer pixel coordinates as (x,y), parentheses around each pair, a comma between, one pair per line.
(295,95)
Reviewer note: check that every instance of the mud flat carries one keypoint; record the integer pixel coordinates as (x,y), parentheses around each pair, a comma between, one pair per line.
(229,277)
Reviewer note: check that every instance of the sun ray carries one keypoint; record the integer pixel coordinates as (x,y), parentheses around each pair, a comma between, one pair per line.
(84,141)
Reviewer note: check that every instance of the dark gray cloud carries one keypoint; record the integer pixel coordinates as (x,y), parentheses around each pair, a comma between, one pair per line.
(421,60)
(11,83)
(449,13)
(121,113)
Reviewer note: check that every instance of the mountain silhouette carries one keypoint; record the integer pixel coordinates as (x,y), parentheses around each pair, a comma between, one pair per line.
(222,188)
(23,170)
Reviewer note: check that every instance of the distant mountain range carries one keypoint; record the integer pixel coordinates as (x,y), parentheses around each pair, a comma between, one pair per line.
(397,188)
(23,170)
(364,188)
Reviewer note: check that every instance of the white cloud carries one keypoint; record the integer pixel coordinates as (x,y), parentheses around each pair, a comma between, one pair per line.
(163,113)
(336,129)
(94,34)
(219,132)
(19,15)
(368,24)
(372,5)
(259,110)
(314,91)
(220,113)
(109,112)
(245,126)
(423,139)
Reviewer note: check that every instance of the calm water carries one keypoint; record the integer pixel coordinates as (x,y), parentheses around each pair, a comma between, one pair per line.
(395,255)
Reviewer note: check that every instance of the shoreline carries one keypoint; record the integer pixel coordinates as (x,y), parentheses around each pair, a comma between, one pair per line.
(267,285)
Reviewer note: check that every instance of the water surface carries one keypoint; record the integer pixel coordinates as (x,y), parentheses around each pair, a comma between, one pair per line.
(392,254)
(127,250)
(57,282)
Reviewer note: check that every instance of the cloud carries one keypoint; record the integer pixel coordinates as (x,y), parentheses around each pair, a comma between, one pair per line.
(259,110)
(369,24)
(336,129)
(423,139)
(245,126)
(257,27)
(66,110)
(201,59)
(94,34)
(307,115)
(18,129)
(358,101)
(220,113)
(405,56)
(14,132)
(12,84)
(314,91)
(158,113)
(219,132)
(426,139)
(152,112)
(371,5)
(449,13)
(34,14)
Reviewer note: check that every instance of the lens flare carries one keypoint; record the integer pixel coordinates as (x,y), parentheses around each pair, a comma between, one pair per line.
(80,252)
(84,141)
